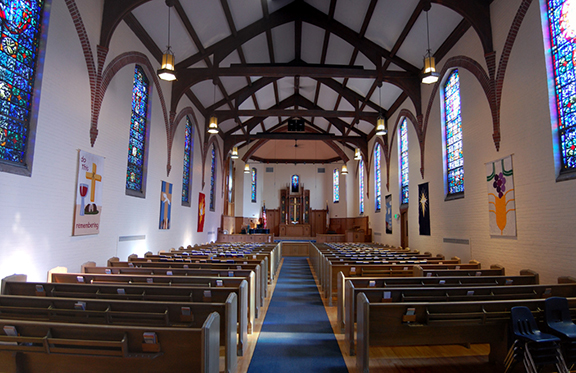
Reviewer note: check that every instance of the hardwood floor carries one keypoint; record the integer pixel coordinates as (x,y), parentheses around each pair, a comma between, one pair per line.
(419,359)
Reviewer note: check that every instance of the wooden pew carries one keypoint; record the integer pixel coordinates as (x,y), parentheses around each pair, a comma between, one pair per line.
(387,324)
(526,277)
(19,287)
(187,281)
(122,312)
(495,270)
(70,348)
(468,294)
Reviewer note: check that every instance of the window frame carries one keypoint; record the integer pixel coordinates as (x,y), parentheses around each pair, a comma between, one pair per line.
(188,125)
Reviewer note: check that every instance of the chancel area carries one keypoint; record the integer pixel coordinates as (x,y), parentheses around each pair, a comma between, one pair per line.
(169,167)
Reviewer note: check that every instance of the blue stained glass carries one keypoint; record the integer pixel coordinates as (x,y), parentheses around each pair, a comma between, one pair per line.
(188,156)
(361,182)
(453,126)
(213,180)
(377,177)
(404,168)
(253,187)
(563,50)
(136,144)
(336,186)
(19,40)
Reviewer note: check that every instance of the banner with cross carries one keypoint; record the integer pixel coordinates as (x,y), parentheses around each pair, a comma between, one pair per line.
(88,206)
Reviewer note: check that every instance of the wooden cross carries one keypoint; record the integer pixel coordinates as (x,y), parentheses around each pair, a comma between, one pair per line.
(94,177)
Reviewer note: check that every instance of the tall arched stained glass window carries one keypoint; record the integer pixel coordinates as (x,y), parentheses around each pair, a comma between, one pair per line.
(254,185)
(453,133)
(188,157)
(213,180)
(361,185)
(403,151)
(562,33)
(377,177)
(336,186)
(20,31)
(137,143)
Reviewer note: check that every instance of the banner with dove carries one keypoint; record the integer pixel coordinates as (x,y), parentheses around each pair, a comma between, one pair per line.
(88,206)
(501,199)
(165,205)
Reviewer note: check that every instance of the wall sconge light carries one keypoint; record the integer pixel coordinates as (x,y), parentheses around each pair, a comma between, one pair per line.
(167,71)
(246,168)
(234,152)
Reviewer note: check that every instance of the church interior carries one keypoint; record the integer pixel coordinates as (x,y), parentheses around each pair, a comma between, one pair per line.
(437,130)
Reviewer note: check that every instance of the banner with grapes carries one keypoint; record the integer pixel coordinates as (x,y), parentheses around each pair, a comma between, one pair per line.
(501,200)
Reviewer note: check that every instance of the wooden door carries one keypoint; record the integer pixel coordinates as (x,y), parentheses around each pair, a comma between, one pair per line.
(273,217)
(404,228)
(318,222)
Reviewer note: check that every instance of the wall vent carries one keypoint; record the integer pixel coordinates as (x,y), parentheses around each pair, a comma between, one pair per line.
(269,169)
(377,233)
(459,241)
(131,238)
(321,170)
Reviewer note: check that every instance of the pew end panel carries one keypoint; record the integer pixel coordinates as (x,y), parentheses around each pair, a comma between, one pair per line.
(13,278)
(55,270)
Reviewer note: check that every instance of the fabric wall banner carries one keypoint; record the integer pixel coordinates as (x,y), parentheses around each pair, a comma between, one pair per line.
(501,199)
(424,209)
(88,206)
(389,214)
(201,211)
(165,205)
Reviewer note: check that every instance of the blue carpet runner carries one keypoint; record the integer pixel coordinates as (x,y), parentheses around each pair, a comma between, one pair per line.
(296,334)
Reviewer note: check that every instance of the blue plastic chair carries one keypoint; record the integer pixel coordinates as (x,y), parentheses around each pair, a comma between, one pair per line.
(559,323)
(534,347)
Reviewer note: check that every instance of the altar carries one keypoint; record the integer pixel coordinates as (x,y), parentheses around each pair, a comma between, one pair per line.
(295,230)
(295,210)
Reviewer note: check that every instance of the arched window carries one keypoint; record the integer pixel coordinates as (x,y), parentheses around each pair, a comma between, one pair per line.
(453,135)
(254,185)
(336,186)
(137,144)
(562,49)
(403,155)
(19,49)
(377,178)
(188,158)
(361,185)
(213,180)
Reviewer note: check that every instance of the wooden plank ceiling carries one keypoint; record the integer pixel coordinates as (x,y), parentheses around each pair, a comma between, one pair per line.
(337,64)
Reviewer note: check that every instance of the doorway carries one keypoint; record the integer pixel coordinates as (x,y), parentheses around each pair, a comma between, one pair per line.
(404,228)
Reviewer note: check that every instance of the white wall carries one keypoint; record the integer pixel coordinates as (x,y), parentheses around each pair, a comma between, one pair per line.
(37,211)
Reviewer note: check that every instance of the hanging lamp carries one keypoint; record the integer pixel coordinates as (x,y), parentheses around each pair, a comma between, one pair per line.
(234,153)
(246,168)
(167,70)
(380,121)
(213,125)
(357,155)
(429,74)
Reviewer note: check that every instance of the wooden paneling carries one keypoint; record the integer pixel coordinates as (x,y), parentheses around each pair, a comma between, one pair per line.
(295,248)
(318,222)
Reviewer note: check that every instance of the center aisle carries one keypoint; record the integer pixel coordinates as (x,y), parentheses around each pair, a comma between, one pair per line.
(296,335)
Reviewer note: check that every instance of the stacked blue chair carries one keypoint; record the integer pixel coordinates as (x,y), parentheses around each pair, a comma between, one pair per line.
(559,323)
(535,348)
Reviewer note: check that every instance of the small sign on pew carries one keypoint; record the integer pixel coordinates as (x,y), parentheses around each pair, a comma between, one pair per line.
(207,296)
(372,283)
(352,270)
(150,342)
(186,315)
(410,315)
(40,292)
(387,298)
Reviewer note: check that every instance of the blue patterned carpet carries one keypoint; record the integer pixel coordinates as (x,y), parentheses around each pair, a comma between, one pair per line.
(296,334)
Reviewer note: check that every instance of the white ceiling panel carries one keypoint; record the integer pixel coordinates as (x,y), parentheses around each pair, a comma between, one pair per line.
(360,86)
(274,5)
(232,58)
(283,39)
(321,5)
(312,41)
(390,17)
(256,50)
(265,97)
(233,84)
(339,51)
(351,13)
(327,98)
(245,12)
(208,32)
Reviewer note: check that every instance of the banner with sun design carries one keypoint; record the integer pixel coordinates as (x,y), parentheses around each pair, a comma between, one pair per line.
(424,209)
(201,211)
(501,199)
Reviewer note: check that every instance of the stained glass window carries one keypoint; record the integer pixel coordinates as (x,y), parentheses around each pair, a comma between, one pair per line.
(561,15)
(453,130)
(336,186)
(377,177)
(361,185)
(253,188)
(137,143)
(188,157)
(19,40)
(403,151)
(213,180)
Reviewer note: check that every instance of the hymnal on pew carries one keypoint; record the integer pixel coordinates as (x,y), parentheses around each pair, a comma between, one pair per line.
(81,306)
(10,331)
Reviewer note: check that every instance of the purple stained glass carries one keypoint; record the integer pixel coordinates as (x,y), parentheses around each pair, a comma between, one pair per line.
(453,125)
(188,156)
(563,50)
(336,186)
(213,180)
(403,149)
(361,186)
(20,27)
(377,177)
(137,142)
(253,186)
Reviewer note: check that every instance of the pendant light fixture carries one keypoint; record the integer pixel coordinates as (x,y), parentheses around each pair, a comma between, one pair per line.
(246,168)
(380,121)
(357,155)
(167,71)
(234,152)
(429,74)
(344,168)
(213,126)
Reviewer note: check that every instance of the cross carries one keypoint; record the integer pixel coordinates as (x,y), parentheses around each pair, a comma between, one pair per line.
(94,177)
